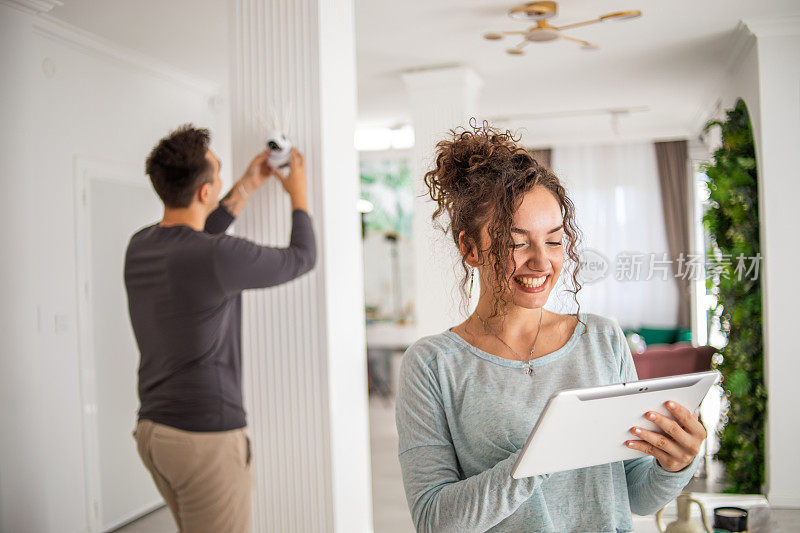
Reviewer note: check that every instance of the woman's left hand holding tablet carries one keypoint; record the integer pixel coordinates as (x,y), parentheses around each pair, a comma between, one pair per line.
(679,445)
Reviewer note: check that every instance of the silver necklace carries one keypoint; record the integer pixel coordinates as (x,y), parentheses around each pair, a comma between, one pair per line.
(529,368)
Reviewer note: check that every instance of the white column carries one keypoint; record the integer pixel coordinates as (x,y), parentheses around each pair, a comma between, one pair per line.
(305,363)
(441,99)
(778,48)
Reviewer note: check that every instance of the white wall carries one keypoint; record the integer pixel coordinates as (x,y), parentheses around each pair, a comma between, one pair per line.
(741,81)
(765,72)
(440,99)
(778,45)
(64,95)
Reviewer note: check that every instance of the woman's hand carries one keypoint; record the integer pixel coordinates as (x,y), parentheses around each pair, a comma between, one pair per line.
(680,444)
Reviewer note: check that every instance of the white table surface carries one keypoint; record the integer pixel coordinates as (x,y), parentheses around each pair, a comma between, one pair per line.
(390,335)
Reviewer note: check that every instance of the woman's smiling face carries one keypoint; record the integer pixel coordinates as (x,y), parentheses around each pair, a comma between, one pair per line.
(537,256)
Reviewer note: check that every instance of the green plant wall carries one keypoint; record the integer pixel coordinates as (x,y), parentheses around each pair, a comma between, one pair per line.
(733,224)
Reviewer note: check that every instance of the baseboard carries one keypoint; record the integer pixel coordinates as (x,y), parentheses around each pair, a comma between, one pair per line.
(135,515)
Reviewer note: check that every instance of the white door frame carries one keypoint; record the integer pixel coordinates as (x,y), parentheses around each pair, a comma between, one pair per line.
(85,171)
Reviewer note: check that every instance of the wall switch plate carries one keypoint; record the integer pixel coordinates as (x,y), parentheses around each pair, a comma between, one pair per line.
(62,322)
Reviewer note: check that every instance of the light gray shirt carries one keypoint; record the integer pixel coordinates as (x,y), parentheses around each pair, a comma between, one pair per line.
(464,414)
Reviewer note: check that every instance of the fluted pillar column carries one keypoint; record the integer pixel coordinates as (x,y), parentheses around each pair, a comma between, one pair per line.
(303,342)
(441,99)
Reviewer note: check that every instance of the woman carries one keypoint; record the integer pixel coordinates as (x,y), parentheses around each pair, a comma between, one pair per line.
(470,396)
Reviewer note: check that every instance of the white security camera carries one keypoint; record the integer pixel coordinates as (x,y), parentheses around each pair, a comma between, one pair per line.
(280,149)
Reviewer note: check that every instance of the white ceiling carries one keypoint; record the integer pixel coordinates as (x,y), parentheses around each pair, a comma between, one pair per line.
(192,35)
(669,62)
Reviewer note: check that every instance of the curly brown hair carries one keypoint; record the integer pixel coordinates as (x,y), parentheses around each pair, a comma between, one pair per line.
(480,178)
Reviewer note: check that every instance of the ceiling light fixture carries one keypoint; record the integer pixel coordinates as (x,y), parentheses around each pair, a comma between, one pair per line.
(540,12)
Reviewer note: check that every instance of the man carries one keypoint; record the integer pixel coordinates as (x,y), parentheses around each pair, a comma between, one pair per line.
(184,279)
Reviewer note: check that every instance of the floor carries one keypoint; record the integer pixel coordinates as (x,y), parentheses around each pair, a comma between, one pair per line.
(391,513)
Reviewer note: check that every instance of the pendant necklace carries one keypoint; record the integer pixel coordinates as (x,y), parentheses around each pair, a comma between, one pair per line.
(529,368)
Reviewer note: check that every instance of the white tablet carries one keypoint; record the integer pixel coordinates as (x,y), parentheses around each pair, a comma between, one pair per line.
(588,427)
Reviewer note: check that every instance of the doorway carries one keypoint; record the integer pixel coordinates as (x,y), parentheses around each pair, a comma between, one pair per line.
(112,203)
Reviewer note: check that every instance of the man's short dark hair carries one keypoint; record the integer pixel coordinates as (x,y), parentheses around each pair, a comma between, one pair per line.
(177,166)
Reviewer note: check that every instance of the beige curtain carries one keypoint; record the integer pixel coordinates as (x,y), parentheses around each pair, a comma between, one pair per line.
(542,156)
(673,181)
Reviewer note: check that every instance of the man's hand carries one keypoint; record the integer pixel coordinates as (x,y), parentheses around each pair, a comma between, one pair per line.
(295,182)
(258,172)
(680,444)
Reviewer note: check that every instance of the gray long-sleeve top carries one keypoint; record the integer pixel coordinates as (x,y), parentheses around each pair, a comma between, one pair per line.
(184,297)
(463,416)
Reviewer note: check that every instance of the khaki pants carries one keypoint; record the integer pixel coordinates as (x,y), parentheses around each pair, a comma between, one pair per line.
(205,477)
